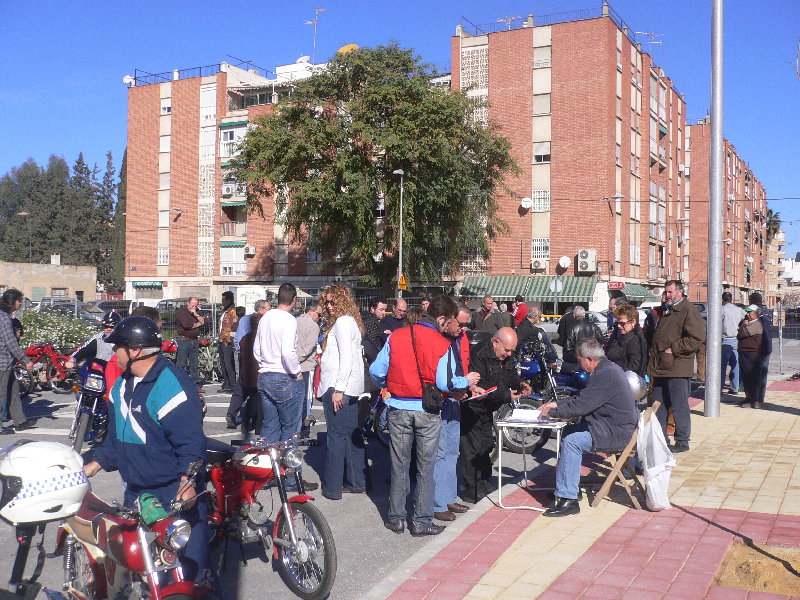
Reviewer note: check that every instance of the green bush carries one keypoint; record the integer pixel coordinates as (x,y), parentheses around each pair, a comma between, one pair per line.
(63,331)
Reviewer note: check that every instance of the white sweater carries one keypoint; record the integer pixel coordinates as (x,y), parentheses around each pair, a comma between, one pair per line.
(342,366)
(274,347)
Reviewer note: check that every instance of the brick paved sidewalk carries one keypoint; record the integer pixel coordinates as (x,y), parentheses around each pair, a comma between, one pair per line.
(741,479)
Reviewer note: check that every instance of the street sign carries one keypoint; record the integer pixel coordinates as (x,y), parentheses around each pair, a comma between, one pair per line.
(616,285)
(403,283)
(556,285)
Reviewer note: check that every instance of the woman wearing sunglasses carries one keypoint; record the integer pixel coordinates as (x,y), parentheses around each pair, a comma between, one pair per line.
(628,348)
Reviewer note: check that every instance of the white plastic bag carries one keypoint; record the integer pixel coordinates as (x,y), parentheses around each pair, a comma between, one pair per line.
(657,462)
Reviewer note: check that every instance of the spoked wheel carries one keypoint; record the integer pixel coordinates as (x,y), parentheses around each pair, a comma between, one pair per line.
(380,424)
(57,383)
(308,568)
(516,438)
(25,378)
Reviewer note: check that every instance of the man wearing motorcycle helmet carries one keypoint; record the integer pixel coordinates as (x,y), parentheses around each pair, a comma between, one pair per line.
(155,430)
(96,346)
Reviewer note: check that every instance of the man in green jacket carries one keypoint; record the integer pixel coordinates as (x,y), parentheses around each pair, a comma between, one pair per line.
(677,338)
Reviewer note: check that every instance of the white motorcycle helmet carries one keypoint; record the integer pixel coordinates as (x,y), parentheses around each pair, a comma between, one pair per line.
(638,385)
(42,481)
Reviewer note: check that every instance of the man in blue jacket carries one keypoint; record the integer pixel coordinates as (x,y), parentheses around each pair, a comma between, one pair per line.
(155,431)
(609,418)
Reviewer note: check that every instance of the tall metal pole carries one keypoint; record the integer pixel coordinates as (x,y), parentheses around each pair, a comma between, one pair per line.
(715,258)
(400,249)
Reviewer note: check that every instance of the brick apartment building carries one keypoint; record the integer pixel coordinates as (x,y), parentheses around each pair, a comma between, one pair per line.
(188,232)
(605,192)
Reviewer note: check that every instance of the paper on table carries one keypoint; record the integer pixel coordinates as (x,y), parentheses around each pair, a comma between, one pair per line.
(524,415)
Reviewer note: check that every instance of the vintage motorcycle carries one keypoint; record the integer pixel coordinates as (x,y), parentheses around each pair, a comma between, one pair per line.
(49,369)
(244,482)
(90,423)
(112,551)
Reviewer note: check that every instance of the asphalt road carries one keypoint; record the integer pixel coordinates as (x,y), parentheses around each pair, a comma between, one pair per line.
(366,551)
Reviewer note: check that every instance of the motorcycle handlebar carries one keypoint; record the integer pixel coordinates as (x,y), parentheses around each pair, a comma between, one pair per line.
(104,508)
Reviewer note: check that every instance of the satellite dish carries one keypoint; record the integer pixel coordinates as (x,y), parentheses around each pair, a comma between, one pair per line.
(750,259)
(128,79)
(347,48)
(303,59)
(526,203)
(564,262)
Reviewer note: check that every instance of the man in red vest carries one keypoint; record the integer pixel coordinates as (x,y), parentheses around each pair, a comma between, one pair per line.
(404,363)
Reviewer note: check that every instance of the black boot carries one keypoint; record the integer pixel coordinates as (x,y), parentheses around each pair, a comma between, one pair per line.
(563,507)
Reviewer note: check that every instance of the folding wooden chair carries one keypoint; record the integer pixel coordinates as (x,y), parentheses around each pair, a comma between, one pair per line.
(620,460)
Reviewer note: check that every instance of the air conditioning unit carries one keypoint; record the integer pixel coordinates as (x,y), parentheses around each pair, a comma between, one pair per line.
(587,260)
(228,189)
(249,250)
(539,264)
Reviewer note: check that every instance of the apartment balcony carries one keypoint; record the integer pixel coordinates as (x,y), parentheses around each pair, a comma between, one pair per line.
(653,147)
(655,272)
(232,269)
(228,149)
(233,229)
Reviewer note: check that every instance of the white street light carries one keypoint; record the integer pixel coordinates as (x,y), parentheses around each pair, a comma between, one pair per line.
(400,248)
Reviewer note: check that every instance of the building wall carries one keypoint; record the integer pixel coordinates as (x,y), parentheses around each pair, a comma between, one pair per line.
(47,278)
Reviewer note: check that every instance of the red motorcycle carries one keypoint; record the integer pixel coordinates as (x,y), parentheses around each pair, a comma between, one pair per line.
(48,368)
(242,499)
(115,551)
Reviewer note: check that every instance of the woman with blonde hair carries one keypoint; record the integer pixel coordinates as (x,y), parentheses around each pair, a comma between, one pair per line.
(341,383)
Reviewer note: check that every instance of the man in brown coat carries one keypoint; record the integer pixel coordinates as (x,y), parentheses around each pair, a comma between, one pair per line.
(676,340)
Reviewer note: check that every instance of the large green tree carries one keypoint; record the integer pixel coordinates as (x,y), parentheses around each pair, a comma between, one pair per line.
(328,152)
(117,275)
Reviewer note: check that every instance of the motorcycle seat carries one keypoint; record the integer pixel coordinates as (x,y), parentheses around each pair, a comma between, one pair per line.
(218,452)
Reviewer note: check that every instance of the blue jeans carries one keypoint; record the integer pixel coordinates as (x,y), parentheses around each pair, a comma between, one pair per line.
(282,409)
(730,357)
(346,461)
(568,472)
(445,478)
(405,426)
(188,350)
(194,556)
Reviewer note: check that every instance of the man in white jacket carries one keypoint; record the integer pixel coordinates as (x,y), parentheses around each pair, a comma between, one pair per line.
(279,373)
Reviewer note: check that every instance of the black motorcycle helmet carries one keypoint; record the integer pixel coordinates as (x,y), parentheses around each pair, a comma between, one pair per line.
(110,319)
(135,332)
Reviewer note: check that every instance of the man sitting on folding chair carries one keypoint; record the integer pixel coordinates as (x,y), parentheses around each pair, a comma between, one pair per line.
(609,419)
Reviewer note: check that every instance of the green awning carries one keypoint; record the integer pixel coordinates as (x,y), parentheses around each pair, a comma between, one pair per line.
(225,164)
(634,291)
(147,284)
(232,244)
(662,128)
(499,287)
(226,204)
(233,123)
(575,288)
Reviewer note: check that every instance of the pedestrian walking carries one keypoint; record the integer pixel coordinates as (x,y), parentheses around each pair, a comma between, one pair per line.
(341,383)
(189,321)
(227,325)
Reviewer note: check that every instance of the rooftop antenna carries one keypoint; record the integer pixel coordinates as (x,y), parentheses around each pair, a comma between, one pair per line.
(652,36)
(314,23)
(509,20)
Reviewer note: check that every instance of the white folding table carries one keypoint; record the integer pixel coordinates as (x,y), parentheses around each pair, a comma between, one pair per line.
(556,426)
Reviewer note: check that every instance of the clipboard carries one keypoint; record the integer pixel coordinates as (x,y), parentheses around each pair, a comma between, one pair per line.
(479,396)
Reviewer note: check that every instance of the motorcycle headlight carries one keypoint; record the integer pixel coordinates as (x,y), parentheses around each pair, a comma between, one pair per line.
(178,533)
(293,458)
(94,384)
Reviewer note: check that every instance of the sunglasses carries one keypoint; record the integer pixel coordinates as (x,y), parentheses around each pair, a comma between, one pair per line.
(623,323)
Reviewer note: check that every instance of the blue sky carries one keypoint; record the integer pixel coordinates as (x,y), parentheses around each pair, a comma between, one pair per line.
(61,88)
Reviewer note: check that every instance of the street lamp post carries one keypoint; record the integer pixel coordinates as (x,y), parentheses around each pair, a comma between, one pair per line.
(30,245)
(400,248)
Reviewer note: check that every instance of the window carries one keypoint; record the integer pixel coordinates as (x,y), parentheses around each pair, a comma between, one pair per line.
(164,143)
(540,248)
(541,152)
(257,99)
(228,135)
(541,104)
(166,106)
(163,256)
(541,200)
(163,218)
(281,252)
(380,212)
(542,57)
(58,292)
(313,256)
(163,181)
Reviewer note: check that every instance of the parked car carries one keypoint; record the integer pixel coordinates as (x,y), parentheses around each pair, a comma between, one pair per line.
(92,317)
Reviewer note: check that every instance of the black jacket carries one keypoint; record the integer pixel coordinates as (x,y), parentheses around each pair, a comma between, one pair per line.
(607,405)
(528,332)
(629,351)
(583,330)
(493,373)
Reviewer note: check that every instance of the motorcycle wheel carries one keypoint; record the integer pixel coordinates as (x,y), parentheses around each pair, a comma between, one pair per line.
(380,426)
(310,568)
(80,573)
(58,384)
(513,439)
(80,433)
(25,378)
